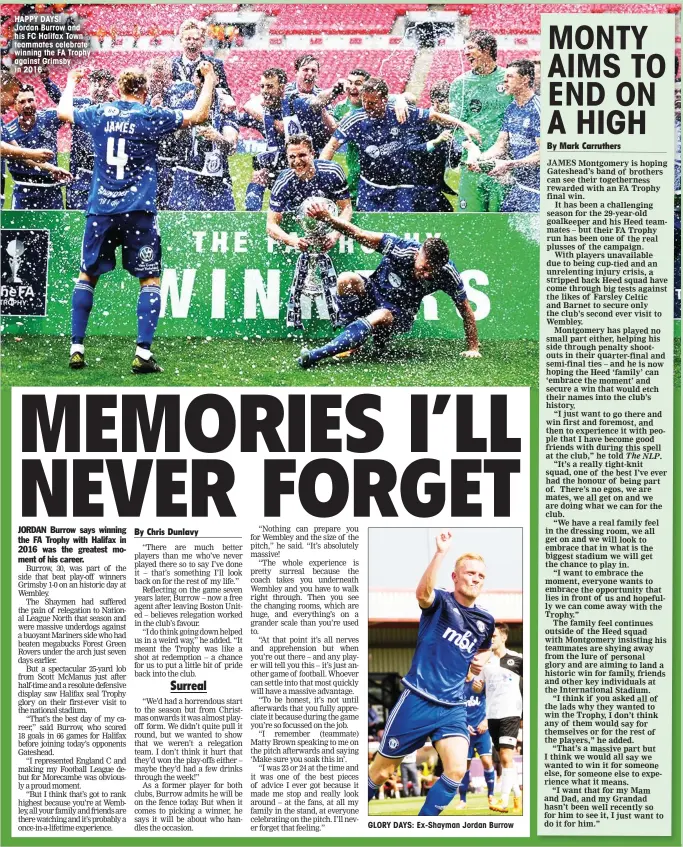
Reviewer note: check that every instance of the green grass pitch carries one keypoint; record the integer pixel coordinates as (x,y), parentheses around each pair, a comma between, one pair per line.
(477,807)
(42,360)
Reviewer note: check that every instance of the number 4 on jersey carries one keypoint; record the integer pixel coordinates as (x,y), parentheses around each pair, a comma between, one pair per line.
(121,157)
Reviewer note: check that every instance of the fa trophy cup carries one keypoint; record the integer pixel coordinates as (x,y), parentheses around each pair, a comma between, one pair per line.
(314,275)
(15,250)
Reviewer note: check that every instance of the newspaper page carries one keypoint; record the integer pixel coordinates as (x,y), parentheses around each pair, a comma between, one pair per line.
(374,473)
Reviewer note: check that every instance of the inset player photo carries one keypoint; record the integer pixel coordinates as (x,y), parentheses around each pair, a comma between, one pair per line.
(445,672)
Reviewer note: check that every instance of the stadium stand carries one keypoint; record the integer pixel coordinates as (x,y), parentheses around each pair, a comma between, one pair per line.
(354,19)
(393,65)
(164,17)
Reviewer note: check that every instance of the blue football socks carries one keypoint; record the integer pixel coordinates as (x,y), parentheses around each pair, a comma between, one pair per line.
(149,306)
(372,789)
(490,777)
(81,306)
(464,785)
(353,336)
(439,796)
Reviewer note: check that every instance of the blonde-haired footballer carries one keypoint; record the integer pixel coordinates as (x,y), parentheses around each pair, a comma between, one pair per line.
(454,635)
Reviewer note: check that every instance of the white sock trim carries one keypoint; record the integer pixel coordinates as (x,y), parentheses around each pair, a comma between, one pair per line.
(143,353)
(76,348)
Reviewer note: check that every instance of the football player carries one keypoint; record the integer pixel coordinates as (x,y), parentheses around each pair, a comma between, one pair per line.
(387,175)
(454,635)
(122,203)
(387,300)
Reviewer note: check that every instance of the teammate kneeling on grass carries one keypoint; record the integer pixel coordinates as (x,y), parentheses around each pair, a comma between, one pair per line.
(122,202)
(387,300)
(454,636)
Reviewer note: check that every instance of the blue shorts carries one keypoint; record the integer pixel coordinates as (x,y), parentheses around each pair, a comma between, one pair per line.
(351,307)
(481,744)
(520,199)
(194,192)
(34,197)
(430,198)
(78,191)
(138,235)
(413,720)
(374,198)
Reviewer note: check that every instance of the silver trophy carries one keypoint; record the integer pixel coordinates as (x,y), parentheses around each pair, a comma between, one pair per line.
(314,275)
(15,250)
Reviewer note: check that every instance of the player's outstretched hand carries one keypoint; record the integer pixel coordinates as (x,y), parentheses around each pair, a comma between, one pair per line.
(471,354)
(401,108)
(501,167)
(300,244)
(41,154)
(319,211)
(208,71)
(210,134)
(59,174)
(330,241)
(76,75)
(443,542)
(472,133)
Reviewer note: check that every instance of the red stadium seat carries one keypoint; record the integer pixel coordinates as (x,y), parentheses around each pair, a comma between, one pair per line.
(243,67)
(314,19)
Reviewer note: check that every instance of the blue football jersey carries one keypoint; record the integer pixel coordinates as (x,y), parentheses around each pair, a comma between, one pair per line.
(43,134)
(476,704)
(428,167)
(383,145)
(289,191)
(126,138)
(81,156)
(306,119)
(190,149)
(448,637)
(523,125)
(395,276)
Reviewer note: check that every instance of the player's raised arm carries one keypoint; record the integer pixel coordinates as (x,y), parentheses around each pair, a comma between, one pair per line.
(345,227)
(331,148)
(425,587)
(200,112)
(65,107)
(322,98)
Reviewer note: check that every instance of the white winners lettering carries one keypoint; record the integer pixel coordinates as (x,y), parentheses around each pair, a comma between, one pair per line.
(120,160)
(465,640)
(119,126)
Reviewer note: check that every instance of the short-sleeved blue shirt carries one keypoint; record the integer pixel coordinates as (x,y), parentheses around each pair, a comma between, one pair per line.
(126,137)
(523,126)
(289,191)
(448,637)
(476,703)
(383,145)
(395,276)
(43,134)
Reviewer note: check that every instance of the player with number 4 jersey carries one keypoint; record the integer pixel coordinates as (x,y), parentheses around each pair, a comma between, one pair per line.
(122,202)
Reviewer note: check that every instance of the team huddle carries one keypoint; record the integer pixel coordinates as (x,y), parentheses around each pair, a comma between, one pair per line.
(396,154)
(460,662)
(165,143)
